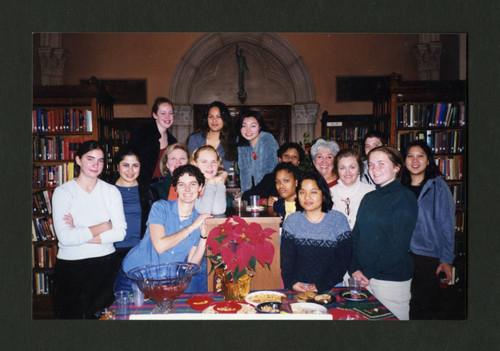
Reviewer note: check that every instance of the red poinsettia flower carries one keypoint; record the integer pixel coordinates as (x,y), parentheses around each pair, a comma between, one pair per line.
(236,245)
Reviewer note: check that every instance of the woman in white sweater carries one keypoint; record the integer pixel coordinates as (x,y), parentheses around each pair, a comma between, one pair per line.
(88,218)
(349,191)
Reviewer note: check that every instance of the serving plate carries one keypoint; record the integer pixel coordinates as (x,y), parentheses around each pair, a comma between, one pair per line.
(308,307)
(347,295)
(272,296)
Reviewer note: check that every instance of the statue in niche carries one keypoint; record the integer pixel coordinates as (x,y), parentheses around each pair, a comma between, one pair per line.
(242,67)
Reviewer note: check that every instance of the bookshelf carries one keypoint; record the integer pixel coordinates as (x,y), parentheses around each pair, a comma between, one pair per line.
(347,130)
(63,117)
(434,111)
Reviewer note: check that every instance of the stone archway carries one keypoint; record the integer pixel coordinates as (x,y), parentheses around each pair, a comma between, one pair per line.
(280,65)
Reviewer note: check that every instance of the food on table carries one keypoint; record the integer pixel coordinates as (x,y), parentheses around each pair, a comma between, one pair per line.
(305,296)
(268,308)
(264,296)
(245,309)
(308,307)
(323,298)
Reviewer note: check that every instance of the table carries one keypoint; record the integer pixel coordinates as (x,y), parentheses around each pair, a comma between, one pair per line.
(264,278)
(341,309)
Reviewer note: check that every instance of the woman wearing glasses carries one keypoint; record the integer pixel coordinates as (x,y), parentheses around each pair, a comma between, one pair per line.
(349,191)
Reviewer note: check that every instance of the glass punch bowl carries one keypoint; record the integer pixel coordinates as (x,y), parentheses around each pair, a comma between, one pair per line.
(163,282)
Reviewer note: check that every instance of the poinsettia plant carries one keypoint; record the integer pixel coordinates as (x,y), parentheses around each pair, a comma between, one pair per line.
(237,246)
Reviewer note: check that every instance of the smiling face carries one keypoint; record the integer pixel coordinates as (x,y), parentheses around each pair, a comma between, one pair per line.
(207,163)
(91,163)
(324,162)
(310,196)
(165,116)
(286,184)
(416,161)
(176,158)
(250,129)
(129,169)
(214,119)
(187,188)
(290,155)
(381,168)
(348,169)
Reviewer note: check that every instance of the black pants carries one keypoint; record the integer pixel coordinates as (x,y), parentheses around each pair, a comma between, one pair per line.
(82,288)
(425,300)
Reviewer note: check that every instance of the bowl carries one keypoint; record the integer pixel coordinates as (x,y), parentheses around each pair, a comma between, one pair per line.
(163,282)
(261,307)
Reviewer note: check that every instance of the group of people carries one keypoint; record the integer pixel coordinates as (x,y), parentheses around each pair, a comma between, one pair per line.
(387,220)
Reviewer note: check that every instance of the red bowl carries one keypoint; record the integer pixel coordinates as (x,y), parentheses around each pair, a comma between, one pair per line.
(199,303)
(227,307)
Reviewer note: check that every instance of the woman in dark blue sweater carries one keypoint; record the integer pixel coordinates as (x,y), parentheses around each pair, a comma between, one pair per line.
(381,236)
(316,243)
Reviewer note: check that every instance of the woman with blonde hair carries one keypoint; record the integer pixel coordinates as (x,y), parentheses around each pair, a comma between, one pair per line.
(175,155)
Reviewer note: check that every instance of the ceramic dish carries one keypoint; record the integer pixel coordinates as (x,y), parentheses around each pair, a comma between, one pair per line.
(263,296)
(268,307)
(244,309)
(347,295)
(199,303)
(308,307)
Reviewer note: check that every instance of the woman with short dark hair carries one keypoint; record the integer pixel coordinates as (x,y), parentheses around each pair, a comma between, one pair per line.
(316,243)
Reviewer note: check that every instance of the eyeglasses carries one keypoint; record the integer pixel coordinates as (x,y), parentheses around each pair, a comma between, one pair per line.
(347,203)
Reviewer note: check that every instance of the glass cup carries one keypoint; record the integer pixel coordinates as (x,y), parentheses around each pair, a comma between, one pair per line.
(355,287)
(122,302)
(254,203)
(138,295)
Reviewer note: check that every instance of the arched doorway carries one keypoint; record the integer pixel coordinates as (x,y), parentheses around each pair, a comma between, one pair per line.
(277,75)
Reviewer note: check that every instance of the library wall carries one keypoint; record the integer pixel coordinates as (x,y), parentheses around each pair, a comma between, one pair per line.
(155,56)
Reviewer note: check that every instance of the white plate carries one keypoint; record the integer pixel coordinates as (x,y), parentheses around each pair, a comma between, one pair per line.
(308,307)
(252,295)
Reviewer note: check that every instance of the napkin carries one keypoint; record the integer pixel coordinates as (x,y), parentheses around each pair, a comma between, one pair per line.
(374,313)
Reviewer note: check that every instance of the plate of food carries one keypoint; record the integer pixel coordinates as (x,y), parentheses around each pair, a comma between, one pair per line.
(308,307)
(268,307)
(244,309)
(305,296)
(324,299)
(264,296)
(347,295)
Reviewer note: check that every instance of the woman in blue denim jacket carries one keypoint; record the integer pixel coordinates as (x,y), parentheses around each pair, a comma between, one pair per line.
(433,239)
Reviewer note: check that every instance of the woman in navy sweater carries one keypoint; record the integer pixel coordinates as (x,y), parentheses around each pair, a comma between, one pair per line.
(433,239)
(316,243)
(381,236)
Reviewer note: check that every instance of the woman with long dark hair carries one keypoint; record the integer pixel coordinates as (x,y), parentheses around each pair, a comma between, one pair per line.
(216,129)
(316,242)
(433,239)
(137,196)
(257,149)
(88,218)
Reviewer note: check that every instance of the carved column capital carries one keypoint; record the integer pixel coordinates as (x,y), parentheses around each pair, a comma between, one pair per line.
(52,65)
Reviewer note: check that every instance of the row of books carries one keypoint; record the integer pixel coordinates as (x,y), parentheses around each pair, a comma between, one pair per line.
(451,167)
(42,283)
(61,120)
(460,222)
(121,136)
(44,256)
(439,114)
(53,175)
(349,134)
(57,147)
(440,141)
(459,194)
(42,202)
(42,229)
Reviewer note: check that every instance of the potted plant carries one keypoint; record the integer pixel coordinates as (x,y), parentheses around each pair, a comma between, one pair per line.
(235,248)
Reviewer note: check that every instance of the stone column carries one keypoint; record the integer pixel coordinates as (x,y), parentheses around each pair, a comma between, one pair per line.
(304,120)
(52,58)
(183,122)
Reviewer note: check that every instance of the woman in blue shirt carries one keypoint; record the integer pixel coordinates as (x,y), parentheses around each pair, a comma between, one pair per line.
(176,232)
(257,150)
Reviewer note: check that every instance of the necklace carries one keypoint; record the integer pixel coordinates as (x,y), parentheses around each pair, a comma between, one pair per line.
(184,217)
(320,217)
